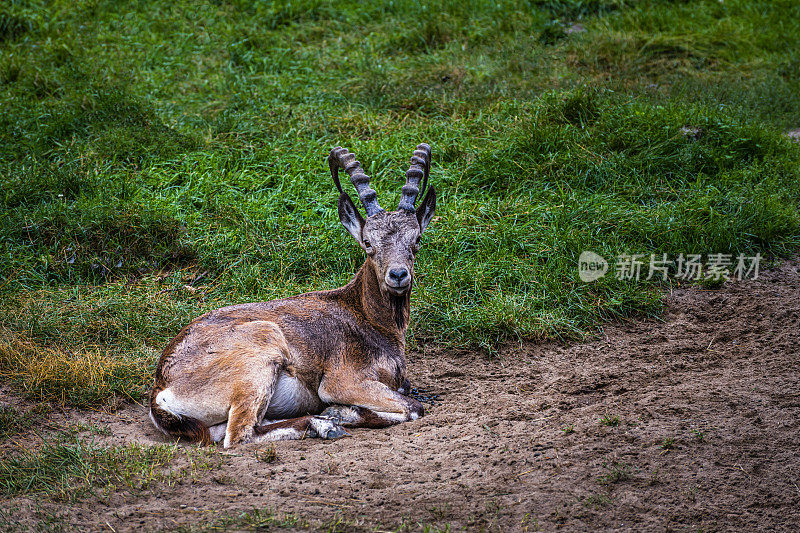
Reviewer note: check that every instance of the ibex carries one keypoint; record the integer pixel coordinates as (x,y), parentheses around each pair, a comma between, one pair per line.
(312,364)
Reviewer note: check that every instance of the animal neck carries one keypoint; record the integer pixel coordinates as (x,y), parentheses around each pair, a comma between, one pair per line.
(386,312)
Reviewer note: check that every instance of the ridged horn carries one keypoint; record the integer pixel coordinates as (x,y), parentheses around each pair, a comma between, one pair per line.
(341,158)
(419,170)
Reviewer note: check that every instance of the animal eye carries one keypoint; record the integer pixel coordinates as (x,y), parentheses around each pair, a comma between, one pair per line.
(367,244)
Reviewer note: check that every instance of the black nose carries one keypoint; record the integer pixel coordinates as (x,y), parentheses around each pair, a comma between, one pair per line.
(398,275)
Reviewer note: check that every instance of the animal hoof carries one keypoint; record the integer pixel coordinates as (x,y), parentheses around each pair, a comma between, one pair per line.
(336,433)
(342,415)
(327,428)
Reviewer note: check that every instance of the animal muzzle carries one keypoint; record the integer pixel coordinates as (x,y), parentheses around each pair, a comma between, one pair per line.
(398,280)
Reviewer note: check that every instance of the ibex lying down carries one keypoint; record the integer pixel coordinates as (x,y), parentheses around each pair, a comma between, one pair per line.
(310,364)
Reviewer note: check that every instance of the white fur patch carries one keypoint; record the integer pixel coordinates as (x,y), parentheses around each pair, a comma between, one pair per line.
(392,417)
(322,426)
(218,431)
(280,434)
(290,398)
(208,410)
(166,400)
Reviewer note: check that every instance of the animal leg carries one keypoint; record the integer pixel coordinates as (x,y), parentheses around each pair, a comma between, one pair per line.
(243,415)
(249,402)
(367,403)
(353,416)
(299,428)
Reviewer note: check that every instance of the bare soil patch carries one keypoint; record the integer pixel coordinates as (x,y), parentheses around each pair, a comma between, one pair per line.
(690,423)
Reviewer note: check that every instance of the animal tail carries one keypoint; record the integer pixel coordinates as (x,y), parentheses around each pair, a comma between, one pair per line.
(185,427)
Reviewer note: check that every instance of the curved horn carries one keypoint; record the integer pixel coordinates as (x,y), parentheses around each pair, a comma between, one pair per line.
(419,170)
(341,158)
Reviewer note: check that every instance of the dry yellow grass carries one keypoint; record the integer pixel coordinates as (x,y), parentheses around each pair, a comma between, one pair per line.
(88,375)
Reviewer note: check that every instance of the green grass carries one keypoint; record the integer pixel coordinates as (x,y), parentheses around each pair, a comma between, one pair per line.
(70,467)
(161,160)
(254,520)
(14,421)
(615,472)
(609,420)
(267,519)
(596,501)
(267,454)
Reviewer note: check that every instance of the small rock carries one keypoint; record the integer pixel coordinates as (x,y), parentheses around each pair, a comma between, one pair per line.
(692,132)
(575,28)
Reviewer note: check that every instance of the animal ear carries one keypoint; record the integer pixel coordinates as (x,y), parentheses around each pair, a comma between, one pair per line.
(350,217)
(426,209)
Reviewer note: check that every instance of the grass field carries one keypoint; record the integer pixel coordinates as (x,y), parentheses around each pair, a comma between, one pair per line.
(162,159)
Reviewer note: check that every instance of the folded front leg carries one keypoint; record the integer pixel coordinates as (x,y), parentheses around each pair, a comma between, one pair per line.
(366,403)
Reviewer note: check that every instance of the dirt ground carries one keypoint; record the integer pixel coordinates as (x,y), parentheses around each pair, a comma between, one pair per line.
(708,436)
